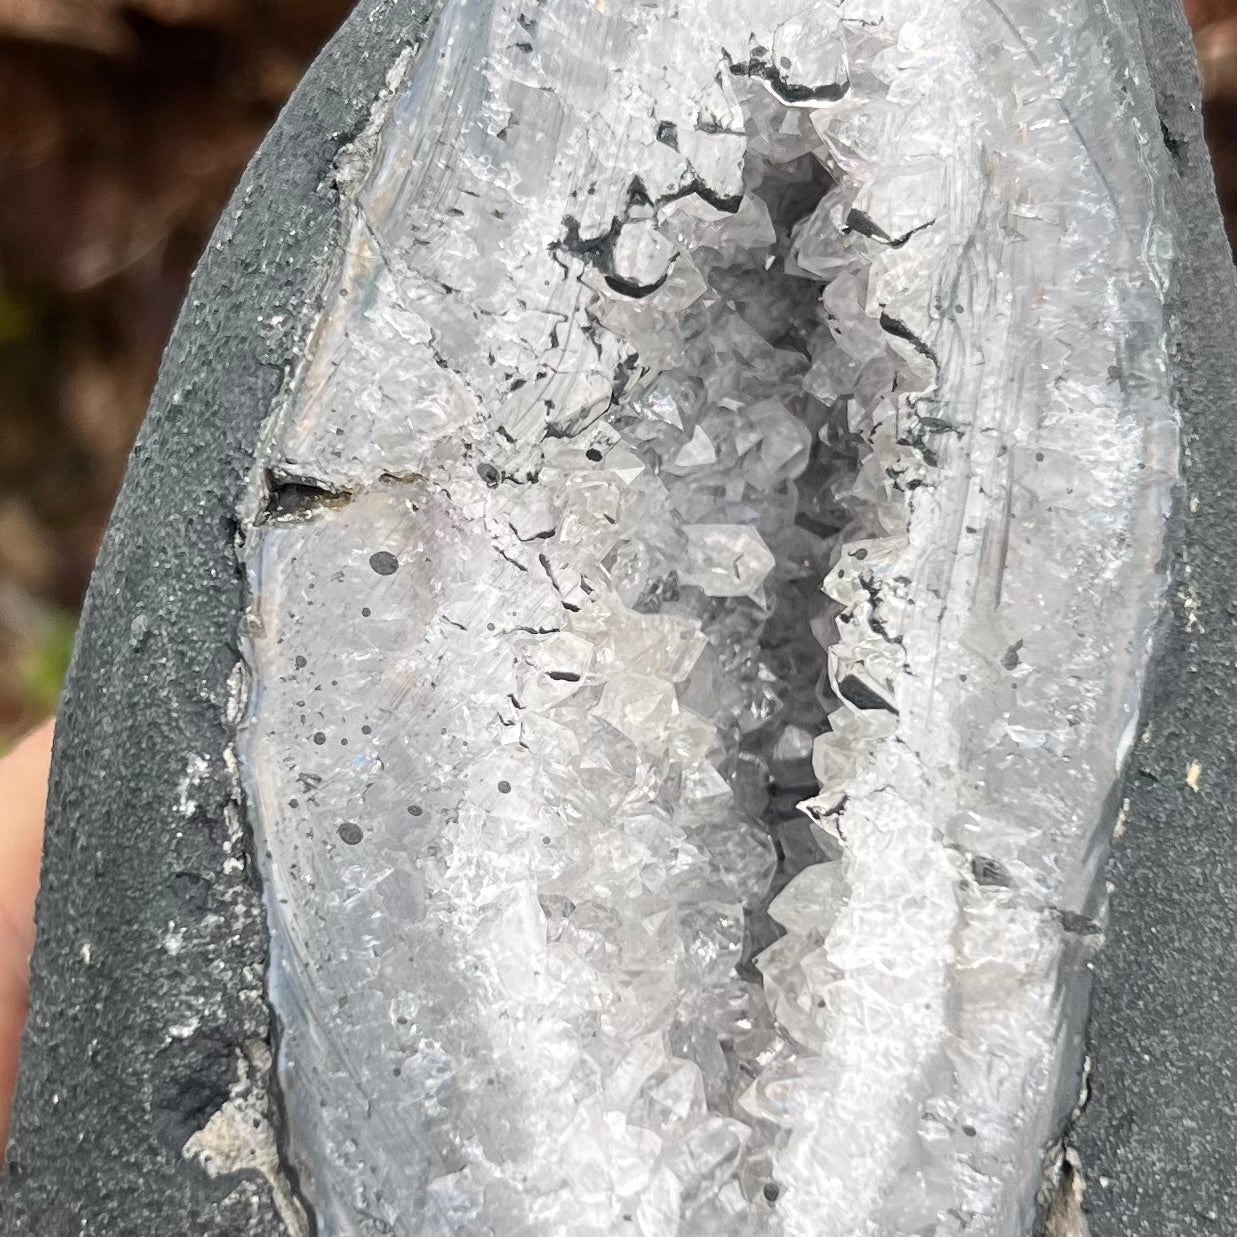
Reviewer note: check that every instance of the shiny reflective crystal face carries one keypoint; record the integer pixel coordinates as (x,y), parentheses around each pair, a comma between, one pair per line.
(700,595)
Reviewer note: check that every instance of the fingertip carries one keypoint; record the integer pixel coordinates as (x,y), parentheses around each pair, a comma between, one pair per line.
(23,799)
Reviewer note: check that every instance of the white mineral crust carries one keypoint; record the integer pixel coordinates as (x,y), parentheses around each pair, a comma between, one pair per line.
(764,408)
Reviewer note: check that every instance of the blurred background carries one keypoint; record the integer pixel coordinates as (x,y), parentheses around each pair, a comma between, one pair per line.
(124,125)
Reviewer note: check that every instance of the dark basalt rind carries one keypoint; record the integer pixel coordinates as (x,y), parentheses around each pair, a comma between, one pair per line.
(1158,1137)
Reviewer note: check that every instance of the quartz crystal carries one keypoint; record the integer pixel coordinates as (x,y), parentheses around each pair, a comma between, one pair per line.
(678,734)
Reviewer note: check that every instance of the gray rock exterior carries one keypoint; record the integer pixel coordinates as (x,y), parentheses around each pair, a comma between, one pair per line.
(1158,1137)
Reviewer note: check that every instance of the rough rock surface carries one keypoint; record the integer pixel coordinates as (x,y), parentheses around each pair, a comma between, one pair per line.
(1158,1137)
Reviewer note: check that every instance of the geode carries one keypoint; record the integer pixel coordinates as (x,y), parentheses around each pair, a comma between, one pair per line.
(701,577)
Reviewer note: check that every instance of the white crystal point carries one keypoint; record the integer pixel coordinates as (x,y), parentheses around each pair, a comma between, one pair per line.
(726,560)
(535,519)
(640,706)
(626,465)
(812,899)
(698,452)
(784,443)
(642,255)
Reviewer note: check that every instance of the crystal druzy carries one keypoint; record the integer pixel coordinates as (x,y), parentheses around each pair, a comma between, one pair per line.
(701,574)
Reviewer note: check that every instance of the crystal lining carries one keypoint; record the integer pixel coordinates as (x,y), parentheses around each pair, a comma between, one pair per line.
(556,946)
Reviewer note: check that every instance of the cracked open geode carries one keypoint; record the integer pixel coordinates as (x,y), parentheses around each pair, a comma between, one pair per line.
(701,576)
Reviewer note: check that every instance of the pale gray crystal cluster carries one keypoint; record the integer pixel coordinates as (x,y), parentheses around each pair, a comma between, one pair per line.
(701,579)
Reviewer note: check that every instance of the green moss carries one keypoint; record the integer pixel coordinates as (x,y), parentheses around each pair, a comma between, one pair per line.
(42,669)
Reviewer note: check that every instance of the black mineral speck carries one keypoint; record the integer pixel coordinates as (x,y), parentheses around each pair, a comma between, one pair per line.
(415,809)
(350,833)
(384,563)
(489,474)
(319,738)
(771,1191)
(504,788)
(301,663)
(366,612)
(367,730)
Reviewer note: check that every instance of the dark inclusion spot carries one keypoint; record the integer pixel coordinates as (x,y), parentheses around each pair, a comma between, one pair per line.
(668,134)
(384,563)
(415,809)
(988,871)
(786,90)
(350,833)
(504,788)
(1010,660)
(489,474)
(630,288)
(319,738)
(857,221)
(1078,925)
(297,497)
(900,330)
(771,1191)
(859,694)
(1172,143)
(301,662)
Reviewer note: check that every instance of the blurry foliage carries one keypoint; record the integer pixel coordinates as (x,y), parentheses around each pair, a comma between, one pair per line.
(1214,23)
(42,664)
(123,126)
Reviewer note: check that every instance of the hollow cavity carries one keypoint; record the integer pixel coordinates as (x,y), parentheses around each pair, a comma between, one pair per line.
(676,798)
